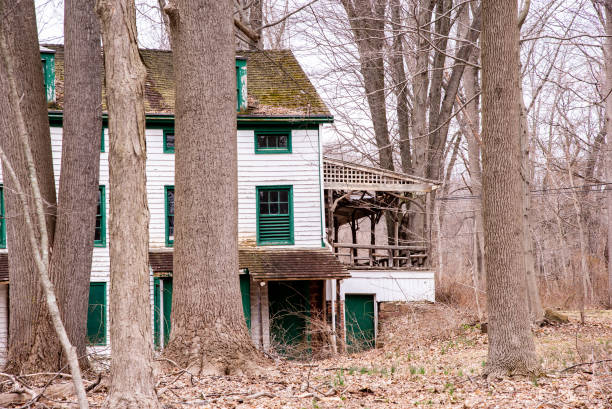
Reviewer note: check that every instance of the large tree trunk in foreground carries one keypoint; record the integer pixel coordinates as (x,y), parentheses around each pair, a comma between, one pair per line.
(26,306)
(511,346)
(132,382)
(70,264)
(608,151)
(209,333)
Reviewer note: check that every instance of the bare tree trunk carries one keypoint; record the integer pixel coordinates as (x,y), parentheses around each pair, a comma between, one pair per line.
(26,305)
(471,86)
(256,22)
(367,20)
(511,346)
(401,88)
(608,159)
(536,312)
(70,264)
(132,382)
(39,246)
(209,333)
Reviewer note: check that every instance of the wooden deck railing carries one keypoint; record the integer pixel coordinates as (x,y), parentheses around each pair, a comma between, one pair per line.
(381,255)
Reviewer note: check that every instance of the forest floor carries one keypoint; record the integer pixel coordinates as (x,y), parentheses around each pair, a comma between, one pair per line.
(430,357)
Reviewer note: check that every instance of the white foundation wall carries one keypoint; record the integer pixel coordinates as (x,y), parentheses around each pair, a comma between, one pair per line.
(389,285)
(300,169)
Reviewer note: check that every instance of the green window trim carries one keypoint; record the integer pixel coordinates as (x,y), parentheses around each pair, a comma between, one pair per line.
(2,219)
(241,85)
(48,69)
(102,148)
(169,213)
(96,314)
(276,228)
(167,132)
(259,133)
(101,218)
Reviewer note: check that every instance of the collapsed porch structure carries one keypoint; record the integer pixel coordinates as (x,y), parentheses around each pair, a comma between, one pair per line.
(386,265)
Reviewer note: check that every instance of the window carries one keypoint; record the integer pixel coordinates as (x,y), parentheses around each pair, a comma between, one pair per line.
(100,234)
(274,215)
(2,219)
(169,190)
(47,60)
(241,77)
(96,314)
(169,140)
(276,141)
(102,141)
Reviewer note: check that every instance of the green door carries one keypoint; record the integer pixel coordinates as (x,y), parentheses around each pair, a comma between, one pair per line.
(289,315)
(162,301)
(245,291)
(359,315)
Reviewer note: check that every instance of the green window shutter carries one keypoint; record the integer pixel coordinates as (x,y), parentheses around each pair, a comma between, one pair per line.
(274,215)
(169,195)
(48,69)
(100,234)
(2,219)
(241,84)
(102,148)
(168,140)
(96,314)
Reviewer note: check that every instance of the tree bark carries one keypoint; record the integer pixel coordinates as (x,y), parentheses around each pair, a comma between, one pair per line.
(132,382)
(608,159)
(70,263)
(511,346)
(209,333)
(401,88)
(536,312)
(26,304)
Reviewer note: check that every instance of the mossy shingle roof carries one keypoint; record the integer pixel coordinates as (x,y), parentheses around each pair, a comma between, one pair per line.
(276,84)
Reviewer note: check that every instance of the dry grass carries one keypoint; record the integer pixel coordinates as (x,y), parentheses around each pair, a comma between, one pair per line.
(432,357)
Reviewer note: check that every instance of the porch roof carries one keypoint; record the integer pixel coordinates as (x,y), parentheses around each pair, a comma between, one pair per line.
(273,263)
(341,175)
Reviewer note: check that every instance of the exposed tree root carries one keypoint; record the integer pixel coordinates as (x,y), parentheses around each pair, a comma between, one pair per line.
(215,351)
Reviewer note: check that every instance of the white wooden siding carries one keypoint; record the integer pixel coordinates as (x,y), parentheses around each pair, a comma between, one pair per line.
(300,169)
(390,285)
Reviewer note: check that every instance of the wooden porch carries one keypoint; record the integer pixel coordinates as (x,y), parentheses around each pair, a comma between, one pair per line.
(357,196)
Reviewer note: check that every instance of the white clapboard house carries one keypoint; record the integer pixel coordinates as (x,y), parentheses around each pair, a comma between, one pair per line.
(289,274)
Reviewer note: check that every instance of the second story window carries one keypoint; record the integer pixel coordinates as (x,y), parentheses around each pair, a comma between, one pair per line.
(169,192)
(100,235)
(273,141)
(168,140)
(274,215)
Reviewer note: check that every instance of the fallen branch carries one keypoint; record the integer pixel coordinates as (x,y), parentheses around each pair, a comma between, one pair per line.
(586,363)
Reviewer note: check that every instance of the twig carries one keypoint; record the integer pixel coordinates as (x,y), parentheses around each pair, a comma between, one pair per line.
(586,363)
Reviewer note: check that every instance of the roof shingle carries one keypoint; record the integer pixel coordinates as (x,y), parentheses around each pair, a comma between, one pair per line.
(276,84)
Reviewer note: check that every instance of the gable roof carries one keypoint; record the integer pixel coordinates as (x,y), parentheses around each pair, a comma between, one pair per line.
(276,84)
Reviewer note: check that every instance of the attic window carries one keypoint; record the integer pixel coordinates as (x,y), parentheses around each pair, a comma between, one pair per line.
(241,84)
(273,141)
(47,59)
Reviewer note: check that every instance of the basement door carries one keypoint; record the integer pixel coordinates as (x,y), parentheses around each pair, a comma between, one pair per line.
(289,317)
(360,323)
(162,301)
